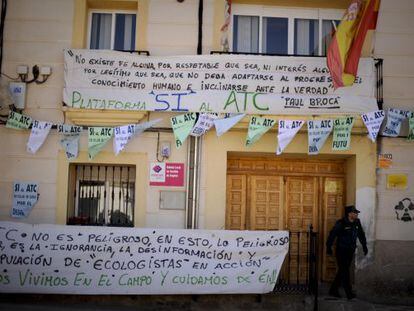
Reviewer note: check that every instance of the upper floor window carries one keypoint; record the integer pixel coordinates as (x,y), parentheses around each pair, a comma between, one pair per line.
(112,30)
(275,30)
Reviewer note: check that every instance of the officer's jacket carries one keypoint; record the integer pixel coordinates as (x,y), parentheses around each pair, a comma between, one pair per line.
(346,234)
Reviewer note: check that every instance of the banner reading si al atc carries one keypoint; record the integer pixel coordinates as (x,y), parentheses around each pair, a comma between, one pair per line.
(94,260)
(98,79)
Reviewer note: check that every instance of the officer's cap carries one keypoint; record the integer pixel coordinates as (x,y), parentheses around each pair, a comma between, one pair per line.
(351,209)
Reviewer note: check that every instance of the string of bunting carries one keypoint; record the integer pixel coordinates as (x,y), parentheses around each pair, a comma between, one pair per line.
(197,124)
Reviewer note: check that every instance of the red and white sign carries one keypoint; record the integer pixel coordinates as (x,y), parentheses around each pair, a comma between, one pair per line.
(167,174)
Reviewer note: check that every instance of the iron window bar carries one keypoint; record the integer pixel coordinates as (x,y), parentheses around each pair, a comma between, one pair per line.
(139,52)
(103,195)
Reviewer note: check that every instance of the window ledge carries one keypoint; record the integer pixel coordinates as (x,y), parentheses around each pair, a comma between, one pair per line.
(103,117)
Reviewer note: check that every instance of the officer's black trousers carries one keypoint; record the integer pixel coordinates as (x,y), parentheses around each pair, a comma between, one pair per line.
(344,259)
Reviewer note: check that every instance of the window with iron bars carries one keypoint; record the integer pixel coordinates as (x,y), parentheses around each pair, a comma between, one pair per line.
(101,195)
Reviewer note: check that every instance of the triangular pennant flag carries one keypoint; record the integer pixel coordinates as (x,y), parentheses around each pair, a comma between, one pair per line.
(18,121)
(257,127)
(204,123)
(410,135)
(342,133)
(40,130)
(182,126)
(70,140)
(124,134)
(225,124)
(97,139)
(373,121)
(394,120)
(287,130)
(318,133)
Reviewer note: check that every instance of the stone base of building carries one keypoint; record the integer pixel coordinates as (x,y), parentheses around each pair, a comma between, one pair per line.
(388,277)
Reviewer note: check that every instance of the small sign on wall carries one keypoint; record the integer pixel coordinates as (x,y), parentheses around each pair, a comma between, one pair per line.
(384,160)
(397,181)
(167,174)
(331,186)
(172,200)
(25,196)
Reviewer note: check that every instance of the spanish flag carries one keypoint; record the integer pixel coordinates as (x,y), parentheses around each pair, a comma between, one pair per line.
(345,48)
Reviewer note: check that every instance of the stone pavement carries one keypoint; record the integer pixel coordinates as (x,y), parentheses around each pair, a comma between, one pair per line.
(194,303)
(334,304)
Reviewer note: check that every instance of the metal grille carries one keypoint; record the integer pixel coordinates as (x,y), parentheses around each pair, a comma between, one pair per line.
(295,273)
(102,195)
(380,84)
(299,271)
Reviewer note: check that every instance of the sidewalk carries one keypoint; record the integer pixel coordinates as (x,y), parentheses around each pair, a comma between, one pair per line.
(334,304)
(222,302)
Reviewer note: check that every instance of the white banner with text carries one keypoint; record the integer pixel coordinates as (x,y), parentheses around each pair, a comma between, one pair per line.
(102,79)
(108,260)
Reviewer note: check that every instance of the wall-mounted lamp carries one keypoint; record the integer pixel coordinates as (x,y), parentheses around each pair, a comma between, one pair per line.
(44,71)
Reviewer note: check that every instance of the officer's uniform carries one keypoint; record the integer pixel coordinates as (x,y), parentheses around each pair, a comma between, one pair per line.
(346,234)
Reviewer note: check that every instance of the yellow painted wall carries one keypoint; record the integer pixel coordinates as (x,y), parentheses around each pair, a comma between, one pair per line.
(49,167)
(394,42)
(37,32)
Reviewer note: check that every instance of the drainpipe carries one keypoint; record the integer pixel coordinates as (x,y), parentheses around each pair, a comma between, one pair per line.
(193,182)
(194,153)
(200,27)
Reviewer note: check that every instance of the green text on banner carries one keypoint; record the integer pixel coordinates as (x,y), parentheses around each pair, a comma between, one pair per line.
(85,260)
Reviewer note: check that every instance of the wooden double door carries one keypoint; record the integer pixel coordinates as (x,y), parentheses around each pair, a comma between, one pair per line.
(280,200)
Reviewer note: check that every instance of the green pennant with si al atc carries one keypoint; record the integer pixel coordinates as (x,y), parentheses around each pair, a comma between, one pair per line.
(182,126)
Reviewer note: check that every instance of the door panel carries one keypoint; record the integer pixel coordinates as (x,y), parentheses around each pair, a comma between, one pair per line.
(301,211)
(301,203)
(262,195)
(265,202)
(236,202)
(333,202)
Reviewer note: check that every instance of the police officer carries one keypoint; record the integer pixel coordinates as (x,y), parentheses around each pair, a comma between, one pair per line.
(346,231)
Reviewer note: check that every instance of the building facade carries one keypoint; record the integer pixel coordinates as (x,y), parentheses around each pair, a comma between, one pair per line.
(228,185)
